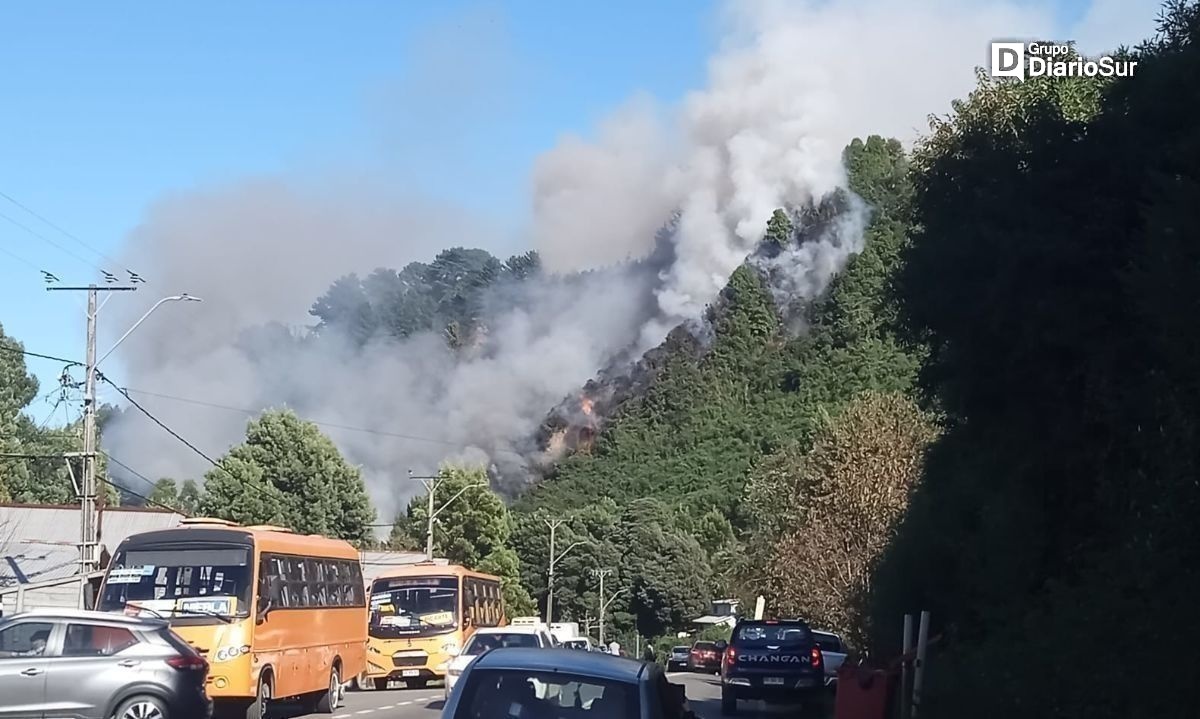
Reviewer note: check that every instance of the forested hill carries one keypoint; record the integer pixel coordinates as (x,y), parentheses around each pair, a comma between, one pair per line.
(993,415)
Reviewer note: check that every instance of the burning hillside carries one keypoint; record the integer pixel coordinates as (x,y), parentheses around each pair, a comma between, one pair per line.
(796,262)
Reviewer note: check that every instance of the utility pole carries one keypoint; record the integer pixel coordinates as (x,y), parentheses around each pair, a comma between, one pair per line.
(554,524)
(601,574)
(89,527)
(431,485)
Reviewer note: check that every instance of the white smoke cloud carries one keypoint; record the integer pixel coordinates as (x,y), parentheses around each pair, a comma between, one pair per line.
(791,83)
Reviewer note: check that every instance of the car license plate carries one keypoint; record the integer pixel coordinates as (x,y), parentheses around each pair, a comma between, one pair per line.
(773,680)
(410,673)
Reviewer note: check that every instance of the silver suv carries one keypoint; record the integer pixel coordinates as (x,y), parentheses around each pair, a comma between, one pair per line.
(90,665)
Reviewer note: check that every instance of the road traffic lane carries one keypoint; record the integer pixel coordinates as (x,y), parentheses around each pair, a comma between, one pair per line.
(704,697)
(398,703)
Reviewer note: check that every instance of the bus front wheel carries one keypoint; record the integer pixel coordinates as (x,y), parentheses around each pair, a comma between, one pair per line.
(258,706)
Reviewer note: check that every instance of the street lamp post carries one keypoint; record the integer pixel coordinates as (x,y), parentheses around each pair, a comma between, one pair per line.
(554,524)
(431,484)
(185,297)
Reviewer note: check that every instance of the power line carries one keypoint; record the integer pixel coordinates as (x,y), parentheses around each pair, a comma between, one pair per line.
(145,479)
(320,423)
(252,413)
(20,259)
(127,490)
(78,241)
(160,423)
(18,350)
(50,242)
(176,435)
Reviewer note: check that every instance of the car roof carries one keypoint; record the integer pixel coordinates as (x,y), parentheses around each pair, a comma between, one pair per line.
(512,629)
(90,616)
(824,634)
(594,664)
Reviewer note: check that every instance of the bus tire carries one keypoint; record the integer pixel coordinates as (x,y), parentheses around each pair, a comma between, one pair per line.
(327,701)
(258,705)
(381,684)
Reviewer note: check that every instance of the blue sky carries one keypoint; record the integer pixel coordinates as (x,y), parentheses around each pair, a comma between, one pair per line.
(108,107)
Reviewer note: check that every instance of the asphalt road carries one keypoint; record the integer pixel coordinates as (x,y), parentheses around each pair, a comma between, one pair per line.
(703,693)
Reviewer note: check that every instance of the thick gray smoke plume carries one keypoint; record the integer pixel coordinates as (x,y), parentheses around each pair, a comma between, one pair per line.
(790,85)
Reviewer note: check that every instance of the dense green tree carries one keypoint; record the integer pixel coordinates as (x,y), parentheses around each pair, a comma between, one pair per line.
(17,390)
(165,492)
(1053,277)
(287,473)
(189,496)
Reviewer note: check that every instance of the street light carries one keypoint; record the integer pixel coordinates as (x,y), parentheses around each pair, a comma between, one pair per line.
(431,484)
(173,298)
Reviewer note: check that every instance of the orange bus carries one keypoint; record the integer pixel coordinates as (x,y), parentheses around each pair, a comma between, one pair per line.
(276,614)
(421,615)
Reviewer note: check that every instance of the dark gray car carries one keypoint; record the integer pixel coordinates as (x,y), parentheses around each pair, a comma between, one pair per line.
(89,665)
(556,682)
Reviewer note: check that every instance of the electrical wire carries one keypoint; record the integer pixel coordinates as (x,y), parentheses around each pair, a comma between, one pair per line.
(18,350)
(181,438)
(319,423)
(50,242)
(69,235)
(20,259)
(145,479)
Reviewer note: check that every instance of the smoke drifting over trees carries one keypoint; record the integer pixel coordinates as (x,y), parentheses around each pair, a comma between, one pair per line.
(427,368)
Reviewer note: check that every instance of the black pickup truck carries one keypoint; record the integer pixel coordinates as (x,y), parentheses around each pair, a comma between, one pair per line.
(775,661)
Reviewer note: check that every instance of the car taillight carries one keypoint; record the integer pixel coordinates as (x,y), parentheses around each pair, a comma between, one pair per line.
(730,657)
(188,664)
(816,657)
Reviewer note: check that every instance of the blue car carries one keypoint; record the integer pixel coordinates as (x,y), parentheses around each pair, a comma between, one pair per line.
(520,683)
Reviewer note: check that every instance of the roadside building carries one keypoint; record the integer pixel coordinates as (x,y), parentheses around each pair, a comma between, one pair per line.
(39,551)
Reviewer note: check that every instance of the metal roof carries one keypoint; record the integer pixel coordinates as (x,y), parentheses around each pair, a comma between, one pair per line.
(572,661)
(41,542)
(376,563)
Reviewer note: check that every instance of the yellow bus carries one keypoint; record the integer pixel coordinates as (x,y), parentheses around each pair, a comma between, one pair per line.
(421,615)
(276,614)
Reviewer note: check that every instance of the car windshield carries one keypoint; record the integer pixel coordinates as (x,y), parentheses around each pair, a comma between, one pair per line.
(507,694)
(705,646)
(764,635)
(413,606)
(481,643)
(679,650)
(197,584)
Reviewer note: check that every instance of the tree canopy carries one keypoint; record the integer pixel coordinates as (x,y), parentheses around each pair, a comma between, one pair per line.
(289,474)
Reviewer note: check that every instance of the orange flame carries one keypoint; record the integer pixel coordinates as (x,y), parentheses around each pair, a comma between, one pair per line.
(586,404)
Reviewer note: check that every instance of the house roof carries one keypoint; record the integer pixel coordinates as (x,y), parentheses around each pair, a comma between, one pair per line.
(41,542)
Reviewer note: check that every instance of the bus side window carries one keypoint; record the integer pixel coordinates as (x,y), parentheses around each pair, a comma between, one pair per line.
(358,592)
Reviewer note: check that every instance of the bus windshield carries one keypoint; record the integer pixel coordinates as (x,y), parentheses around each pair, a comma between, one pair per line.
(413,606)
(204,584)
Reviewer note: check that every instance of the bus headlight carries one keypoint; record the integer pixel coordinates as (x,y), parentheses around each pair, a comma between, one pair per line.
(227,653)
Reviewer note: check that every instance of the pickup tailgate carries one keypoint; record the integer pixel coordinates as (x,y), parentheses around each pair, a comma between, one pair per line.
(774,656)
